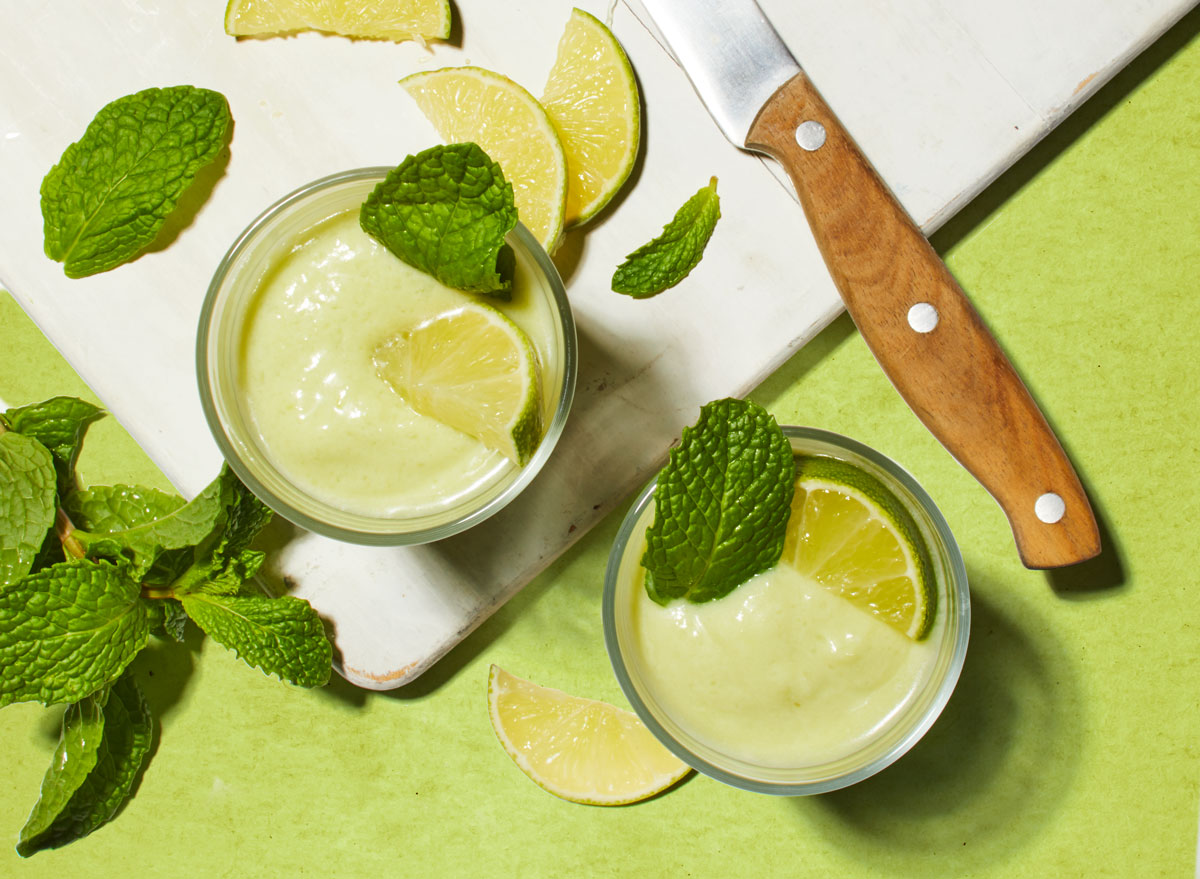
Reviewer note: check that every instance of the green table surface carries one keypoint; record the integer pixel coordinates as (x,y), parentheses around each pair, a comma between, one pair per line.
(1068,749)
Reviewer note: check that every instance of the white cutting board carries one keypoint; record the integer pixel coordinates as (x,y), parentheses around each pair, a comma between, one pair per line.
(941,95)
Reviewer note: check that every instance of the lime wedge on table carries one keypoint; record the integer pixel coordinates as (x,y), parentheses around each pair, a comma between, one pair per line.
(578,749)
(591,96)
(470,104)
(849,533)
(473,369)
(398,20)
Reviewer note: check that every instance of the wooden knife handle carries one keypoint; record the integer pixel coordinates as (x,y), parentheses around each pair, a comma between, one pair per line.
(925,334)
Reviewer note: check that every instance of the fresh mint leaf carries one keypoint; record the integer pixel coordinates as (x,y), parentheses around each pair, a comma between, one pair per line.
(282,636)
(126,735)
(169,538)
(59,424)
(174,618)
(667,260)
(107,509)
(27,503)
(446,212)
(74,759)
(721,504)
(110,193)
(67,631)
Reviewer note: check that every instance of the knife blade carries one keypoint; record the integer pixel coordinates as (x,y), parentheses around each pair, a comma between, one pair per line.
(914,317)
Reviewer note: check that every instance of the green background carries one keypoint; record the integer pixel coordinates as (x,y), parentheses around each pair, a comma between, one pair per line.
(1068,749)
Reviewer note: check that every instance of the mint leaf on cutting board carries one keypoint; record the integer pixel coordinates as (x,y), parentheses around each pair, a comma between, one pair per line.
(27,503)
(721,504)
(118,747)
(446,211)
(67,631)
(282,636)
(667,260)
(110,193)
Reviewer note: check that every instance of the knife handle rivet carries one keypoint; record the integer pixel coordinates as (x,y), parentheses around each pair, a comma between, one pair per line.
(810,135)
(923,317)
(1050,508)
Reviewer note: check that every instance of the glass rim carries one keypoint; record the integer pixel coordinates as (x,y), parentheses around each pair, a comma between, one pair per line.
(945,686)
(375,530)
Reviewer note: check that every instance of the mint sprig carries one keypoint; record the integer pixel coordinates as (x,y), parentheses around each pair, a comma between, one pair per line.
(109,195)
(669,258)
(446,211)
(87,575)
(721,504)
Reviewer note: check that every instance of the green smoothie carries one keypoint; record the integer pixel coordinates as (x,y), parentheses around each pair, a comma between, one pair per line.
(321,412)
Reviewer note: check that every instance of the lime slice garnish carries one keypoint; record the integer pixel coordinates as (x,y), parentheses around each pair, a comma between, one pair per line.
(409,20)
(591,96)
(473,369)
(470,104)
(852,535)
(578,749)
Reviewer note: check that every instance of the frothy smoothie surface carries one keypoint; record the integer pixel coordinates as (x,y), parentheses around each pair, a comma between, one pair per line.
(781,672)
(329,422)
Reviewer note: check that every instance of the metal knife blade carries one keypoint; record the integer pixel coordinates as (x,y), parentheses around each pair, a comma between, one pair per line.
(911,312)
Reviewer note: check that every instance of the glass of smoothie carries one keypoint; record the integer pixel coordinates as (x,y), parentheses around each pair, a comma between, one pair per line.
(785,686)
(288,367)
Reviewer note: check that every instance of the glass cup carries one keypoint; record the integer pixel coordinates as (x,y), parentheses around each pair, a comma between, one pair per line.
(906,722)
(223,322)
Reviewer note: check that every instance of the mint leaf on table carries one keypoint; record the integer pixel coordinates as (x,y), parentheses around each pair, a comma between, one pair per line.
(105,509)
(27,504)
(667,260)
(124,739)
(59,424)
(721,504)
(282,636)
(446,211)
(110,193)
(68,630)
(224,567)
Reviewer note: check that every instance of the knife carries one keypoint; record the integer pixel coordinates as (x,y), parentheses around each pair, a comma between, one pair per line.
(911,312)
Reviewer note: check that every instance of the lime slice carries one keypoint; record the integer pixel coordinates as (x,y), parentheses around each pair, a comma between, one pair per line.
(849,533)
(403,20)
(592,98)
(470,104)
(578,749)
(473,369)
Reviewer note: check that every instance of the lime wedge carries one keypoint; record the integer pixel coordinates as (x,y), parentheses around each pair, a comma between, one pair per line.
(471,104)
(592,98)
(849,533)
(578,749)
(405,20)
(473,369)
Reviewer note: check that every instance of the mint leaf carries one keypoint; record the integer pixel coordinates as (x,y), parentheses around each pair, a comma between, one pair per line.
(169,538)
(721,504)
(74,758)
(231,562)
(446,212)
(27,503)
(59,424)
(282,636)
(668,259)
(174,618)
(107,509)
(67,631)
(124,743)
(111,191)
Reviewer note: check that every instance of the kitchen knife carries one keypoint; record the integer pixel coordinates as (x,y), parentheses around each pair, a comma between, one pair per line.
(911,312)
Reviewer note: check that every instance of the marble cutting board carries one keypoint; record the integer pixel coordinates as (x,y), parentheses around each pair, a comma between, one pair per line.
(943,96)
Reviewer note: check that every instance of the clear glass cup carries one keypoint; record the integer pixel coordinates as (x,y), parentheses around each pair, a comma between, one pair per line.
(907,724)
(222,325)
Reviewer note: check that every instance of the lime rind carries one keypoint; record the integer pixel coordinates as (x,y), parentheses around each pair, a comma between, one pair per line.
(591,71)
(421,20)
(579,749)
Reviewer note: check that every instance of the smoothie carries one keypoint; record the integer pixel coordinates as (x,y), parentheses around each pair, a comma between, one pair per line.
(309,385)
